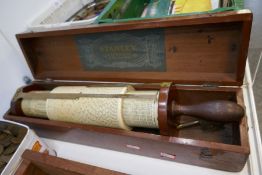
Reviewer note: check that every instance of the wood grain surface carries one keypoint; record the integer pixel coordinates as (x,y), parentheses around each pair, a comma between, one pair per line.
(35,163)
(191,146)
(198,49)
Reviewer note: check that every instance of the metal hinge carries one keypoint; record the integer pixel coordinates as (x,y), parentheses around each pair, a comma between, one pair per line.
(27,80)
(48,80)
(205,85)
(210,85)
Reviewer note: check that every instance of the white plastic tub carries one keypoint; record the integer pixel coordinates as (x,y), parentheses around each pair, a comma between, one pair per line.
(54,16)
(31,141)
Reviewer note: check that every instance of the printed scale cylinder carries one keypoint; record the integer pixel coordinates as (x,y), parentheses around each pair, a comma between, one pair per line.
(123,113)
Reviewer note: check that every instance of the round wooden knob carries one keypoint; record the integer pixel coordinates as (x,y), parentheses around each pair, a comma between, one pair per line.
(219,111)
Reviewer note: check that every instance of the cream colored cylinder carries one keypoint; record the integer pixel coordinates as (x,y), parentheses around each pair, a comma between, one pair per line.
(34,108)
(138,112)
(110,112)
(93,111)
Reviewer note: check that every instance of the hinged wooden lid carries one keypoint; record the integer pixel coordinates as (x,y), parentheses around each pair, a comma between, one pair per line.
(199,49)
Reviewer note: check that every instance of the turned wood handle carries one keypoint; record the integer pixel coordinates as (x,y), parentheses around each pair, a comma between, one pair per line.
(219,111)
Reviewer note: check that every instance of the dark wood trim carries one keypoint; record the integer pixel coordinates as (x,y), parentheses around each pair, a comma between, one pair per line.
(228,16)
(163,113)
(66,126)
(53,165)
(243,123)
(246,30)
(24,168)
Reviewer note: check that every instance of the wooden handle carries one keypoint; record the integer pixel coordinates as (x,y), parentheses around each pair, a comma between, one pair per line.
(219,111)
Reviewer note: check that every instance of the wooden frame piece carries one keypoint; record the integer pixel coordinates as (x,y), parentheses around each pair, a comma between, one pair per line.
(224,37)
(35,163)
(193,150)
(216,56)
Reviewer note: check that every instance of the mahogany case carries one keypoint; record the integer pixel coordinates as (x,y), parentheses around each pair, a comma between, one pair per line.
(202,55)
(35,163)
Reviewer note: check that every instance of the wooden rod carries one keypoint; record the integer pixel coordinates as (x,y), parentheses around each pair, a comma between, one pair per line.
(218,111)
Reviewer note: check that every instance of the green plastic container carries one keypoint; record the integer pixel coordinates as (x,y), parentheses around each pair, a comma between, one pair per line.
(129,10)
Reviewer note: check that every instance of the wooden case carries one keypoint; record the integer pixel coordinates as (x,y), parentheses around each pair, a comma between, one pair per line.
(204,57)
(35,163)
